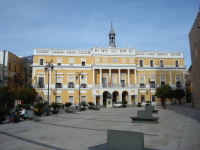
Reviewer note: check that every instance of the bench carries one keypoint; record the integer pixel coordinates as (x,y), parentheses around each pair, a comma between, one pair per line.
(152,109)
(30,115)
(124,140)
(95,107)
(71,110)
(144,116)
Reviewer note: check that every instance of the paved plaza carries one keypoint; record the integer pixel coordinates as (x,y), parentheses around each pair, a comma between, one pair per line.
(178,128)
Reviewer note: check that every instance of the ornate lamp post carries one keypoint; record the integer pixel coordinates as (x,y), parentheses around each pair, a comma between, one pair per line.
(150,91)
(49,66)
(78,76)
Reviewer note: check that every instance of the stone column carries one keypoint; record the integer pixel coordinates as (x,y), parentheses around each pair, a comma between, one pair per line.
(135,77)
(119,76)
(101,99)
(170,78)
(100,77)
(136,99)
(93,76)
(94,99)
(128,77)
(110,76)
(129,99)
(120,97)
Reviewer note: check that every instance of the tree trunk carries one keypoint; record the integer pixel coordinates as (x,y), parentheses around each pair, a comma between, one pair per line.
(179,101)
(164,104)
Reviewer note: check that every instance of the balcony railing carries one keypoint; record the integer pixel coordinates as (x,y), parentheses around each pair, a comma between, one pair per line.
(59,86)
(71,85)
(179,85)
(115,85)
(15,80)
(142,85)
(83,86)
(10,79)
(41,85)
(153,85)
(105,85)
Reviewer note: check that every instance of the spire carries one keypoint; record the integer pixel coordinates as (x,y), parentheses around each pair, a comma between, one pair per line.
(112,36)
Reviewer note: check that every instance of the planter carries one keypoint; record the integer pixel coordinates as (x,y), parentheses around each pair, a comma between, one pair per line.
(38,113)
(139,105)
(123,106)
(147,104)
(54,111)
(83,109)
(90,107)
(1,120)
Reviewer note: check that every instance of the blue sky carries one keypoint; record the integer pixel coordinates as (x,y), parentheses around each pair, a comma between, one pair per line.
(149,25)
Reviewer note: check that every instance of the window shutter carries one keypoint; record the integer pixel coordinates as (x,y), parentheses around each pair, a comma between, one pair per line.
(83,80)
(70,79)
(152,79)
(162,78)
(59,80)
(59,60)
(58,98)
(142,80)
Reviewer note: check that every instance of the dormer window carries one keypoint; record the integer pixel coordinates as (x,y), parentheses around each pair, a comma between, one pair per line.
(141,63)
(151,63)
(161,63)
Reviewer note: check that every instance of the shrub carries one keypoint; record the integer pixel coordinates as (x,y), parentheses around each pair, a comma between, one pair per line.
(124,102)
(91,104)
(39,106)
(25,106)
(83,104)
(104,103)
(55,105)
(68,104)
(4,112)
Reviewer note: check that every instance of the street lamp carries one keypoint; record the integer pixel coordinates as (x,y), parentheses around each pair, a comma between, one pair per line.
(49,66)
(150,91)
(78,74)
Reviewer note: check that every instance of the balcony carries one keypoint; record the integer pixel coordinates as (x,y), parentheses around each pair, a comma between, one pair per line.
(105,85)
(83,86)
(71,85)
(153,85)
(114,85)
(178,85)
(10,79)
(41,85)
(59,85)
(142,85)
(16,80)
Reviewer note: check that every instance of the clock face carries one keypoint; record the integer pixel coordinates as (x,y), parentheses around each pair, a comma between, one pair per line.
(114,60)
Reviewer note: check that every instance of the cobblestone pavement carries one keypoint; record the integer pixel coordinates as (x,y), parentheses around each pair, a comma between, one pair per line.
(178,128)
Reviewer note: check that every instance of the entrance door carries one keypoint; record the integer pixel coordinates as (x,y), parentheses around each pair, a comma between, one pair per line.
(104,81)
(114,97)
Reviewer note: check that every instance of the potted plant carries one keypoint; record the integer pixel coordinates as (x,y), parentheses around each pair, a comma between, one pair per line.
(25,106)
(83,104)
(3,113)
(124,102)
(104,104)
(55,106)
(68,104)
(139,104)
(91,104)
(147,103)
(39,109)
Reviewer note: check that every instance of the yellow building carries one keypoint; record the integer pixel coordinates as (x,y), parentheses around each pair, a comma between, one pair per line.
(123,72)
(15,71)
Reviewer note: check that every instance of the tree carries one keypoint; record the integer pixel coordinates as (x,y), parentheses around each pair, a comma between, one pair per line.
(178,94)
(170,95)
(31,94)
(163,93)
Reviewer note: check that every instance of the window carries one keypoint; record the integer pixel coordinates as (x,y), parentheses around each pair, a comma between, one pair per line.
(71,61)
(41,82)
(153,98)
(142,98)
(152,82)
(41,61)
(123,60)
(162,80)
(71,82)
(9,66)
(59,61)
(178,81)
(141,63)
(83,98)
(71,99)
(59,82)
(83,60)
(58,99)
(176,63)
(142,82)
(151,63)
(123,80)
(83,82)
(161,63)
(104,81)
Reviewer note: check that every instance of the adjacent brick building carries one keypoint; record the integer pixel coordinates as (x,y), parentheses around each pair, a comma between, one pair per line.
(194,38)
